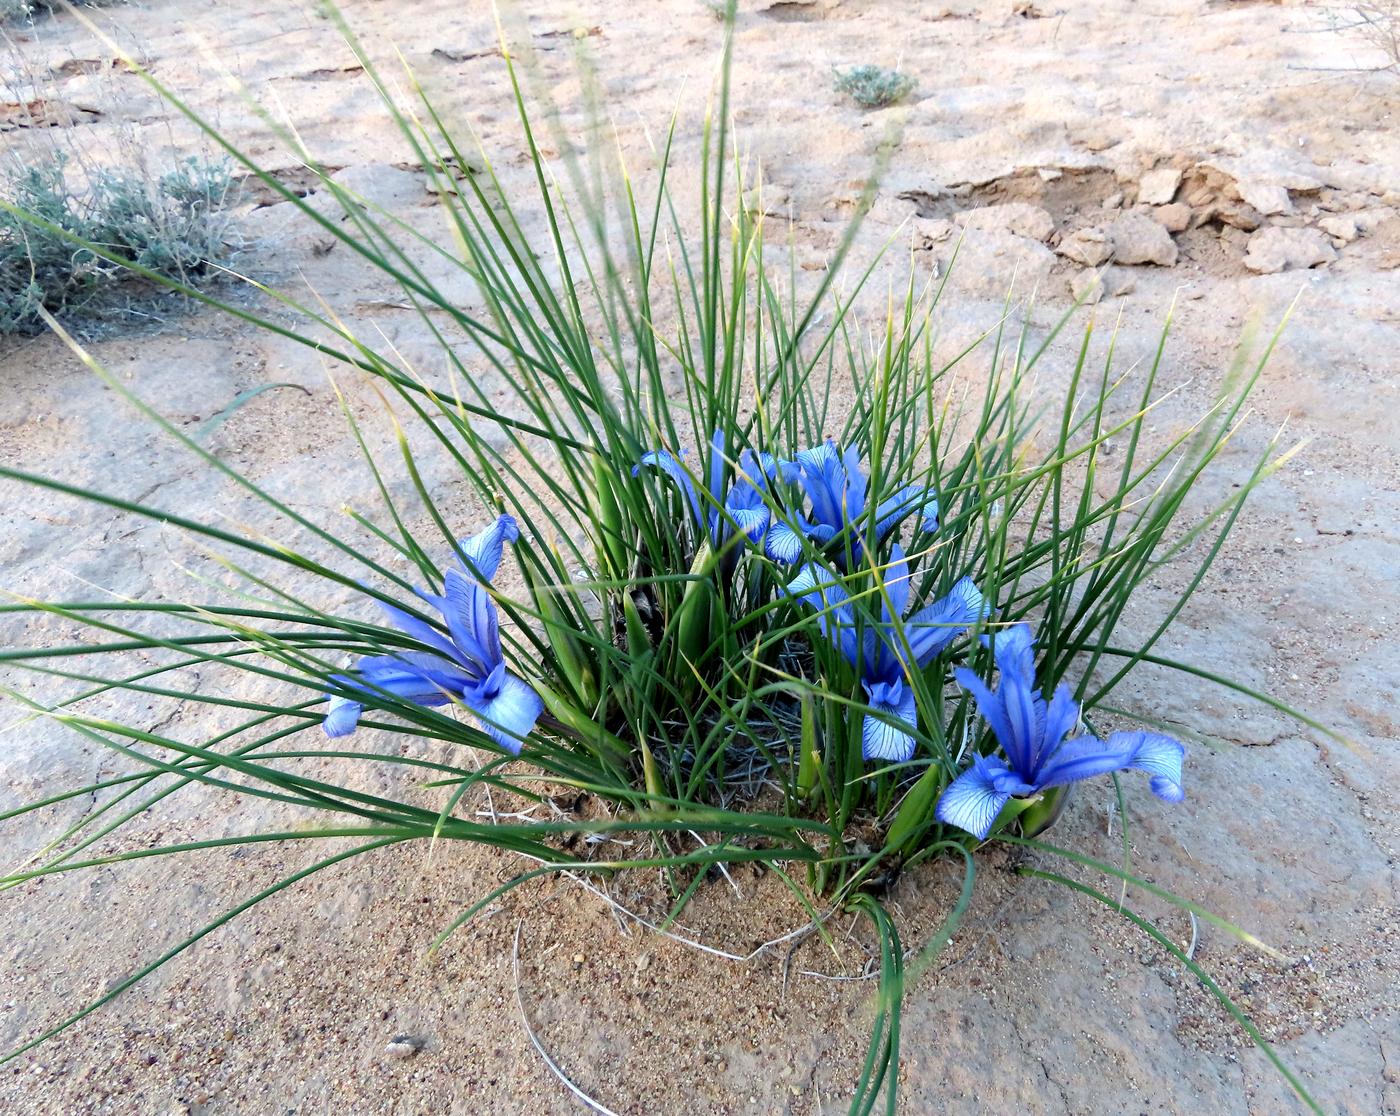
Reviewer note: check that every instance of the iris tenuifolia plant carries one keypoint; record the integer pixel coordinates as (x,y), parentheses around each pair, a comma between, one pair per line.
(741,622)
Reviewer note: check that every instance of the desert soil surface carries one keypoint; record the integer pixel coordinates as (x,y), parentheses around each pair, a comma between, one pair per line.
(1222,158)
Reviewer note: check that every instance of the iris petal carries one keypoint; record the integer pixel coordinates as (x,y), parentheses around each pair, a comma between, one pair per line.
(1083,758)
(881,740)
(1014,651)
(853,488)
(783,544)
(669,464)
(935,626)
(893,510)
(481,554)
(988,703)
(510,713)
(973,800)
(420,630)
(342,715)
(471,618)
(823,479)
(718,465)
(1060,720)
(814,587)
(896,577)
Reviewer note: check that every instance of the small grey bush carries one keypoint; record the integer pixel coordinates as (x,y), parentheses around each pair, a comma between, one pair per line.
(874,86)
(27,9)
(177,226)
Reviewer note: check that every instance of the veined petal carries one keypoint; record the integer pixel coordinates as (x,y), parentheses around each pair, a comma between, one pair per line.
(935,626)
(669,464)
(752,521)
(783,543)
(419,678)
(896,577)
(1060,719)
(420,630)
(1084,757)
(471,618)
(718,467)
(881,740)
(507,707)
(775,468)
(342,715)
(1014,651)
(481,554)
(824,481)
(973,800)
(853,494)
(912,498)
(817,589)
(988,703)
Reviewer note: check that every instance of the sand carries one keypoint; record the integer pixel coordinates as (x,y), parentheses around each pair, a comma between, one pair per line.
(1234,151)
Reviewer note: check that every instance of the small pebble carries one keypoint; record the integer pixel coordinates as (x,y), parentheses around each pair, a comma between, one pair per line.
(401,1047)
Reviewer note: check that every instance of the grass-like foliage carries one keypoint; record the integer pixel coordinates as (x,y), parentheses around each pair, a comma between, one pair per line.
(872,86)
(752,623)
(175,225)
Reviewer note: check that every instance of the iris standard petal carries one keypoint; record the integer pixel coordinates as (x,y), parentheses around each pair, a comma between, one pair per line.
(508,708)
(896,577)
(1014,651)
(973,800)
(1084,757)
(893,510)
(853,492)
(775,468)
(988,703)
(935,626)
(814,587)
(342,715)
(718,467)
(824,481)
(471,618)
(881,740)
(481,554)
(669,464)
(1060,719)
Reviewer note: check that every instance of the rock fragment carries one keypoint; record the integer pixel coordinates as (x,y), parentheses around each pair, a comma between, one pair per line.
(1175,217)
(1017,218)
(1090,247)
(1267,198)
(1158,187)
(1342,228)
(402,1047)
(1092,286)
(1275,249)
(1138,239)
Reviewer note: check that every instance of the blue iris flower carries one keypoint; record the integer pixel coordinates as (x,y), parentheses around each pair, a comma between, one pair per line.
(746,503)
(1032,734)
(464,667)
(884,661)
(836,488)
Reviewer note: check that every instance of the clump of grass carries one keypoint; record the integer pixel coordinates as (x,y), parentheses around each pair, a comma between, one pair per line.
(873,86)
(177,226)
(685,619)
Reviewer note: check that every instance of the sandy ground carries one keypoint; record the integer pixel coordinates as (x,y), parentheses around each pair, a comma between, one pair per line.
(1238,125)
